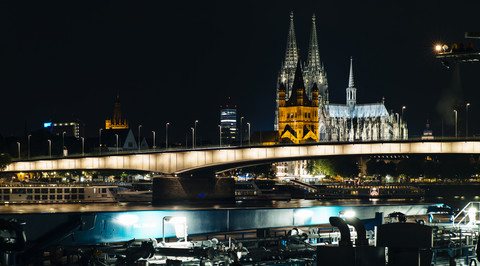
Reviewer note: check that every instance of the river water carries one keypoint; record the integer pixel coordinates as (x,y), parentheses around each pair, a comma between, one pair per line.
(453,200)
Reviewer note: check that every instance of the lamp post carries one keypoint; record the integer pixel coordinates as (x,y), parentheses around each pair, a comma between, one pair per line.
(83,146)
(220,134)
(154,140)
(63,143)
(248,124)
(116,137)
(455,111)
(195,136)
(466,126)
(241,130)
(403,111)
(166,135)
(18,145)
(100,140)
(49,148)
(28,145)
(139,126)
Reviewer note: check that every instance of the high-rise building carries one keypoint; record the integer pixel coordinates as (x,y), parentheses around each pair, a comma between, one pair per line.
(116,122)
(71,128)
(313,71)
(228,123)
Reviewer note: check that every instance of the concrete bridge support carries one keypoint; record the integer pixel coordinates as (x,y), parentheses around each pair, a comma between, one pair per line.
(203,186)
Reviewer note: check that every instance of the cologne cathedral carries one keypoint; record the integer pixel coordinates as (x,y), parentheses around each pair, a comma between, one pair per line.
(303,110)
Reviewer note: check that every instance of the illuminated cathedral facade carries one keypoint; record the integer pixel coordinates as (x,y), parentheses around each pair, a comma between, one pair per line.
(303,110)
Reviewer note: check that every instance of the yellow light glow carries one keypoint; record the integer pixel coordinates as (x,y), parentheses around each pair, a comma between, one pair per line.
(438,48)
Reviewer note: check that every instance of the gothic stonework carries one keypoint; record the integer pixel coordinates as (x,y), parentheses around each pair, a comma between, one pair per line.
(313,70)
(354,121)
(334,122)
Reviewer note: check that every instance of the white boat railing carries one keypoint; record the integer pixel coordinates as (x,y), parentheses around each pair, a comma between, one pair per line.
(470,211)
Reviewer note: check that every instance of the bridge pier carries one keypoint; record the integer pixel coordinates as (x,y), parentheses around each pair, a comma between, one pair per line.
(198,187)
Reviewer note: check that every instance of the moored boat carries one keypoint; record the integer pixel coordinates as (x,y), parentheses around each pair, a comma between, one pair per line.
(254,190)
(56,193)
(369,191)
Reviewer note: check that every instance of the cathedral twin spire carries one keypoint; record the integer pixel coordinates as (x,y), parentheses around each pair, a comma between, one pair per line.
(313,70)
(291,54)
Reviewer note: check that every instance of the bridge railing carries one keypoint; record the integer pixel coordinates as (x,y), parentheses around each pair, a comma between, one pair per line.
(121,151)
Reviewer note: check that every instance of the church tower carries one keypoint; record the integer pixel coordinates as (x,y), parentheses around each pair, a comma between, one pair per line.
(298,115)
(351,90)
(116,122)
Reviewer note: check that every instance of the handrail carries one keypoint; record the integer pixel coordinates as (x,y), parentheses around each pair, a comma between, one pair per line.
(466,211)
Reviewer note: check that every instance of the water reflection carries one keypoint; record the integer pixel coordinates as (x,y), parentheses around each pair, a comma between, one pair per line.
(455,202)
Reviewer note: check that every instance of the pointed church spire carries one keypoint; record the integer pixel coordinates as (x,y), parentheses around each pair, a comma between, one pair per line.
(351,90)
(313,59)
(350,80)
(291,54)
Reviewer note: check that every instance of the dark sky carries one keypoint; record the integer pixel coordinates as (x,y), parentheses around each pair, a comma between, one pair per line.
(179,62)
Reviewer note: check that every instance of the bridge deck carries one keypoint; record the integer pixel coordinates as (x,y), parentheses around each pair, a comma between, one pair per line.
(176,162)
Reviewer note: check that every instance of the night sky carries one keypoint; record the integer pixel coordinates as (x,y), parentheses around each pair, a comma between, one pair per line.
(179,62)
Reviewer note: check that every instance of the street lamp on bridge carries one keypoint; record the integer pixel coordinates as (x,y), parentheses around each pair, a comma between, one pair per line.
(220,134)
(116,137)
(241,130)
(166,135)
(28,145)
(18,144)
(194,135)
(49,148)
(455,111)
(153,131)
(100,140)
(83,146)
(63,143)
(248,124)
(466,126)
(139,126)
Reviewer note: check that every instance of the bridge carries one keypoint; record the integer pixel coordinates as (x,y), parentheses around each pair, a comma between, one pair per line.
(222,158)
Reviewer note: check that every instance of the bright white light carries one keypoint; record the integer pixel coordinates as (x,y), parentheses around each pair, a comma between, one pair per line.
(303,214)
(347,214)
(127,219)
(438,48)
(175,219)
(472,215)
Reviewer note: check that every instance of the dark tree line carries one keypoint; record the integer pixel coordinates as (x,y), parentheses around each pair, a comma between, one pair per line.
(343,166)
(442,166)
(451,166)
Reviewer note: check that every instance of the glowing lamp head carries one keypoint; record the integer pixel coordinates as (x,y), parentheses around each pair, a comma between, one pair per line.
(175,219)
(347,214)
(438,48)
